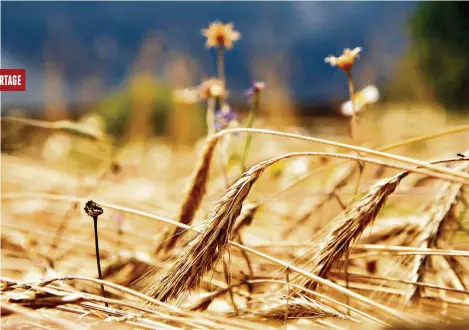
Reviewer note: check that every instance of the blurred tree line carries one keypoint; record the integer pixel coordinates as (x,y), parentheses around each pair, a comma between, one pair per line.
(436,67)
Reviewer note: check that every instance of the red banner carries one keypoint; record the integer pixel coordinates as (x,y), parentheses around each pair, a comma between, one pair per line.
(12,80)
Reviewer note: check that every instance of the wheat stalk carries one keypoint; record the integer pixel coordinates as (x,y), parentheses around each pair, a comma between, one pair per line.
(293,268)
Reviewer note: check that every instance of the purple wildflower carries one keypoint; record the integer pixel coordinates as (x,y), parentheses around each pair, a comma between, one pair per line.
(256,88)
(224,117)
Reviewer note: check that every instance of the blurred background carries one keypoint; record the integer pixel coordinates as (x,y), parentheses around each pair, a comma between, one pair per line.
(120,59)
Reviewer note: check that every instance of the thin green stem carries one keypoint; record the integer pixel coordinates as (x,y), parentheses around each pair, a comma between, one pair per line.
(98,259)
(353,130)
(221,77)
(211,116)
(225,159)
(251,116)
(221,64)
(353,121)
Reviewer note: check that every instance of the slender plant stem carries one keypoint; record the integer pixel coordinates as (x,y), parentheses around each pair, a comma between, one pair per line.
(225,159)
(353,130)
(360,165)
(251,116)
(221,77)
(211,116)
(353,133)
(221,63)
(353,121)
(98,259)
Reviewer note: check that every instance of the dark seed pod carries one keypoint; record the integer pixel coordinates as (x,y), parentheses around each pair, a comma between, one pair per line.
(93,209)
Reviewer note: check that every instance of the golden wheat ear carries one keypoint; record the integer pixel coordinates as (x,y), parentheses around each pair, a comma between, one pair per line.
(432,220)
(204,251)
(193,197)
(348,226)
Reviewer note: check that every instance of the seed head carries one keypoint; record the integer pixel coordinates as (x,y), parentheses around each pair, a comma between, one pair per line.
(344,61)
(93,209)
(220,35)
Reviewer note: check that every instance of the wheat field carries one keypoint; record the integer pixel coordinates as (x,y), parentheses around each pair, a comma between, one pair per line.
(354,222)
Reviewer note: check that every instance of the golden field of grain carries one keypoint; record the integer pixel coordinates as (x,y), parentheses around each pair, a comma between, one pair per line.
(354,222)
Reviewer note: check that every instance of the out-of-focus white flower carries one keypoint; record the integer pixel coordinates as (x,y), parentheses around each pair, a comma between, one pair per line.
(186,96)
(367,95)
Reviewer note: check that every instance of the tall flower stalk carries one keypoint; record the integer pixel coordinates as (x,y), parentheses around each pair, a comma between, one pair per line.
(221,63)
(353,121)
(345,62)
(225,118)
(220,36)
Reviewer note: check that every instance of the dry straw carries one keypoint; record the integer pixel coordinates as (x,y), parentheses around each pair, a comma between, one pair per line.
(65,126)
(198,264)
(403,143)
(301,306)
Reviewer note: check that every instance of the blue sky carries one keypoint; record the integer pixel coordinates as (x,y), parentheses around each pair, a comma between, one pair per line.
(81,35)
